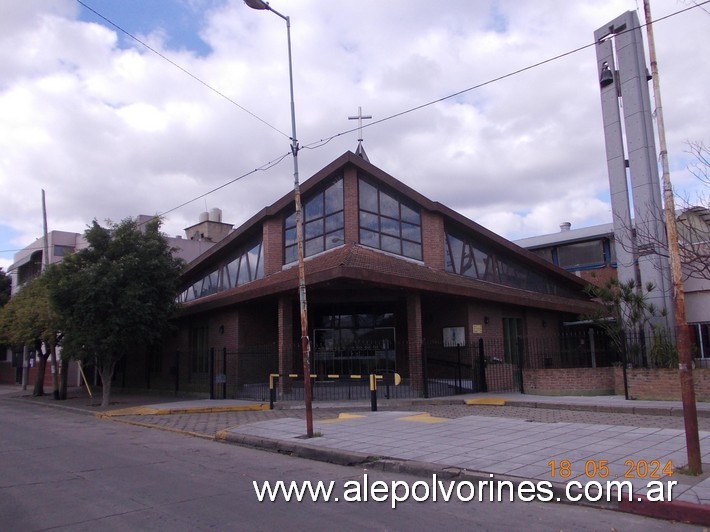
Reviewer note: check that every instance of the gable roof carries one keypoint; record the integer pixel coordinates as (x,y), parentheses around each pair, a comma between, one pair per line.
(451,217)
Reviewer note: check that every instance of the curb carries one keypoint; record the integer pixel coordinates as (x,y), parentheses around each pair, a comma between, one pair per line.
(680,511)
(150,411)
(611,409)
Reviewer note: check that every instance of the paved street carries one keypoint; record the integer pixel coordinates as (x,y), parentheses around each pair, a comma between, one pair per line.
(522,437)
(62,470)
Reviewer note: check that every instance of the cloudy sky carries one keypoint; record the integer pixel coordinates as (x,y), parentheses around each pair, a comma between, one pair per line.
(112,128)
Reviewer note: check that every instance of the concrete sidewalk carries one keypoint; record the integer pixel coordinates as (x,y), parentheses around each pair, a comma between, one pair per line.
(407,439)
(476,447)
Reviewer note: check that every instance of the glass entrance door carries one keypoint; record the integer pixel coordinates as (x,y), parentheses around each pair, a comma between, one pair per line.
(354,351)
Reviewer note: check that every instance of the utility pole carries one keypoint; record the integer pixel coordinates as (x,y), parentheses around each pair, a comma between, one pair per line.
(52,348)
(685,359)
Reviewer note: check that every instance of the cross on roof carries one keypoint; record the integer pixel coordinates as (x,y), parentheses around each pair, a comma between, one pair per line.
(359,119)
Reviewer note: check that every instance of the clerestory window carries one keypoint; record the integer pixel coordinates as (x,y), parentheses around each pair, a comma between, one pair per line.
(323,224)
(387,223)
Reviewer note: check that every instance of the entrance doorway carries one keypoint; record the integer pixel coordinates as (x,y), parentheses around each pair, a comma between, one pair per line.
(355,344)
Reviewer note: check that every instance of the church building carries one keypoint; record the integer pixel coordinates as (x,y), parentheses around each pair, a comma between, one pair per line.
(387,272)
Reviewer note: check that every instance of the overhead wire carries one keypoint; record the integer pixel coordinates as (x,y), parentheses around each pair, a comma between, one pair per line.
(182,69)
(323,141)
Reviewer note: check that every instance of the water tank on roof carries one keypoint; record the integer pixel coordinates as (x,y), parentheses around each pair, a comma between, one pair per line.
(215,215)
(204,216)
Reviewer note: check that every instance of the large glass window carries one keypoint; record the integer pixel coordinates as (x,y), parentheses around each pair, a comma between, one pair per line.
(582,254)
(387,223)
(245,266)
(323,224)
(466,257)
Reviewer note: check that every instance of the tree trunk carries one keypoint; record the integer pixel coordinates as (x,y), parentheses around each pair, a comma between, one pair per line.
(39,380)
(106,373)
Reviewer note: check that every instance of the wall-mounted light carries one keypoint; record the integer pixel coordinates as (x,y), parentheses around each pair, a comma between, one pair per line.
(486,320)
(607,76)
(221,329)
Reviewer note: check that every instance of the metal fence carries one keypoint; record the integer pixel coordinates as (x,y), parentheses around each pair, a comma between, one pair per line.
(486,365)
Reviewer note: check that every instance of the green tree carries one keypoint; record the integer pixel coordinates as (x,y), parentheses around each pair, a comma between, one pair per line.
(625,313)
(5,288)
(115,296)
(28,320)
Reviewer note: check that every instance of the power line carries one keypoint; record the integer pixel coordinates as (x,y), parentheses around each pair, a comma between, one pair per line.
(322,142)
(262,168)
(184,70)
(326,140)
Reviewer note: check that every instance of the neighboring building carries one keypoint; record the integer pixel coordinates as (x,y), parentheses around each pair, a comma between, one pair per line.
(388,273)
(589,253)
(29,262)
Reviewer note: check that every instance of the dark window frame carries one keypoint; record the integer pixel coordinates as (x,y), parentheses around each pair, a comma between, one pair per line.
(380,227)
(323,222)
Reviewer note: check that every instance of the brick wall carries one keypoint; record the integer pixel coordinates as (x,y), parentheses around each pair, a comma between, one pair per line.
(273,245)
(350,205)
(598,276)
(414,335)
(433,240)
(661,384)
(569,381)
(7,373)
(644,383)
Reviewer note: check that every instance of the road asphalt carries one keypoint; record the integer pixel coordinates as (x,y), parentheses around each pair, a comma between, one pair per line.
(512,438)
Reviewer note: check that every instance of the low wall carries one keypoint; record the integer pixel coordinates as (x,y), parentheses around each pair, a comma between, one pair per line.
(643,383)
(569,381)
(661,384)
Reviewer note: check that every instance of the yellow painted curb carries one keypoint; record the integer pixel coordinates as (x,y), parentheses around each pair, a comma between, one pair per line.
(424,418)
(490,401)
(214,409)
(148,411)
(133,411)
(342,417)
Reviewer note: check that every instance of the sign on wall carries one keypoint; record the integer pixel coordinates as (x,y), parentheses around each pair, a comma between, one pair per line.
(454,336)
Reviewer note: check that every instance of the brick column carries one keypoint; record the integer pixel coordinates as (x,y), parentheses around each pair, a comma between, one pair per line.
(285,326)
(350,207)
(414,336)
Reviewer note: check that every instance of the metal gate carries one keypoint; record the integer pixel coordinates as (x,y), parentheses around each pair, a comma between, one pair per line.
(242,374)
(464,369)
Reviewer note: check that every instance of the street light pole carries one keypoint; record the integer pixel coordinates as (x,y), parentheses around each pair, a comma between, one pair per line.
(685,358)
(305,342)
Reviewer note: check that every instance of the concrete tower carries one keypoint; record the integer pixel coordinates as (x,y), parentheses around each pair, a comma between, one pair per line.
(630,144)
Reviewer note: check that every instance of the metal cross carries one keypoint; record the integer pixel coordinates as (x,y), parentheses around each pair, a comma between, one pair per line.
(359,119)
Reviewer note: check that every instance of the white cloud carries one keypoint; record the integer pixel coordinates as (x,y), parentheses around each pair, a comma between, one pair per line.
(110,129)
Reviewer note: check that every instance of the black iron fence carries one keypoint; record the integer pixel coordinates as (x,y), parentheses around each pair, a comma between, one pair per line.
(486,365)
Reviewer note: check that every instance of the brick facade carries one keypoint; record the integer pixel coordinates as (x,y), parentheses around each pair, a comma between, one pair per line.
(644,383)
(353,280)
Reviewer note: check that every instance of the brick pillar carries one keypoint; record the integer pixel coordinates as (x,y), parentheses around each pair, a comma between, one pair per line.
(285,342)
(414,336)
(350,201)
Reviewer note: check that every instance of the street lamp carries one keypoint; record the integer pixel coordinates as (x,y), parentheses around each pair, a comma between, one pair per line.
(305,343)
